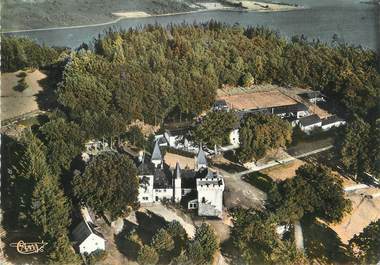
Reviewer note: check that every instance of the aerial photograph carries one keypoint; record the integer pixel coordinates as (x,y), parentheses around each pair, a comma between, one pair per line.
(190,132)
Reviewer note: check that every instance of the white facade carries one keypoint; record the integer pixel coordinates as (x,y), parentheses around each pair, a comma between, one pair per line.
(91,244)
(87,238)
(308,129)
(170,139)
(210,195)
(163,194)
(234,137)
(327,127)
(146,194)
(302,113)
(208,190)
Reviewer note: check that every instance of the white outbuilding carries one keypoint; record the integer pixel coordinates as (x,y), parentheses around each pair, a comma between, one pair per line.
(309,123)
(87,238)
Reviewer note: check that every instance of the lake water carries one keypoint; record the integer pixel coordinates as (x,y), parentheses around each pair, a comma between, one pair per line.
(354,22)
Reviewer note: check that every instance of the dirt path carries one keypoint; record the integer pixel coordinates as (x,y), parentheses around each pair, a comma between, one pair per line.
(240,193)
(298,235)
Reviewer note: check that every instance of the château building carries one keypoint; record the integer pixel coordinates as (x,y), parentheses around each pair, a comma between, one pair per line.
(199,188)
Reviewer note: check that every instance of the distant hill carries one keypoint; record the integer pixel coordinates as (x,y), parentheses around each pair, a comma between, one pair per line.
(32,14)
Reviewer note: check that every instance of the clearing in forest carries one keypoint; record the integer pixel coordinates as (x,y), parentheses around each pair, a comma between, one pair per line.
(260,96)
(15,102)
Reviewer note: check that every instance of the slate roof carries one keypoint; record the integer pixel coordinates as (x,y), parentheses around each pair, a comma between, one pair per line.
(201,157)
(289,108)
(156,155)
(188,179)
(177,173)
(311,94)
(309,120)
(83,230)
(163,178)
(331,119)
(221,103)
(146,168)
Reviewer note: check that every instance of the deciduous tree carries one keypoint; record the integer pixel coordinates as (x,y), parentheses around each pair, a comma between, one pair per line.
(259,133)
(162,241)
(366,245)
(117,175)
(215,127)
(147,256)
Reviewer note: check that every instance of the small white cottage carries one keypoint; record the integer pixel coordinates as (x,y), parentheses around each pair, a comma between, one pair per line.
(88,239)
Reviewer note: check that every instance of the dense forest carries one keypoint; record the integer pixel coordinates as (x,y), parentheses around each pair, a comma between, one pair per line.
(152,72)
(148,74)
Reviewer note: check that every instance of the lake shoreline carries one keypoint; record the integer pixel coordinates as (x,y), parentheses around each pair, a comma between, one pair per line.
(140,15)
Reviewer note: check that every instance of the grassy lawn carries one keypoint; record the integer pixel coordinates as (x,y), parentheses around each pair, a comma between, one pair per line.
(260,181)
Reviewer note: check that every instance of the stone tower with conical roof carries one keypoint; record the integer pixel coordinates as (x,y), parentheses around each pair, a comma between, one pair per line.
(177,183)
(200,159)
(156,156)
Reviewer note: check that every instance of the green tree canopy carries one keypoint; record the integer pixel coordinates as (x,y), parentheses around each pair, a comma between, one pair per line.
(203,247)
(179,235)
(314,190)
(116,174)
(215,127)
(256,240)
(136,137)
(49,209)
(162,241)
(366,245)
(261,132)
(375,144)
(354,148)
(64,141)
(147,256)
(19,53)
(123,73)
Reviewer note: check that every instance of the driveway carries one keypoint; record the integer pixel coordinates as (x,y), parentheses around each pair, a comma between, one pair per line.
(240,193)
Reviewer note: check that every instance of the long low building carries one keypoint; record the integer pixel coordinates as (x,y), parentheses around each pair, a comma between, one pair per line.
(309,123)
(332,121)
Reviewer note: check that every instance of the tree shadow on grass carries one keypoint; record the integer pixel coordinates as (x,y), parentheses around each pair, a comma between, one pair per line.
(47,97)
(230,168)
(133,236)
(323,244)
(125,243)
(260,181)
(149,224)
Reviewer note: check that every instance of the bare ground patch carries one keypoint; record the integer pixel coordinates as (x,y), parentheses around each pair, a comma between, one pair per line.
(15,103)
(257,100)
(364,211)
(283,171)
(184,162)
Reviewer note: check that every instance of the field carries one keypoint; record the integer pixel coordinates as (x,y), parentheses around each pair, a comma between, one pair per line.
(256,100)
(285,171)
(15,103)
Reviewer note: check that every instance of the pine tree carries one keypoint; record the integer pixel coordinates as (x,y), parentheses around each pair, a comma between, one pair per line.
(49,209)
